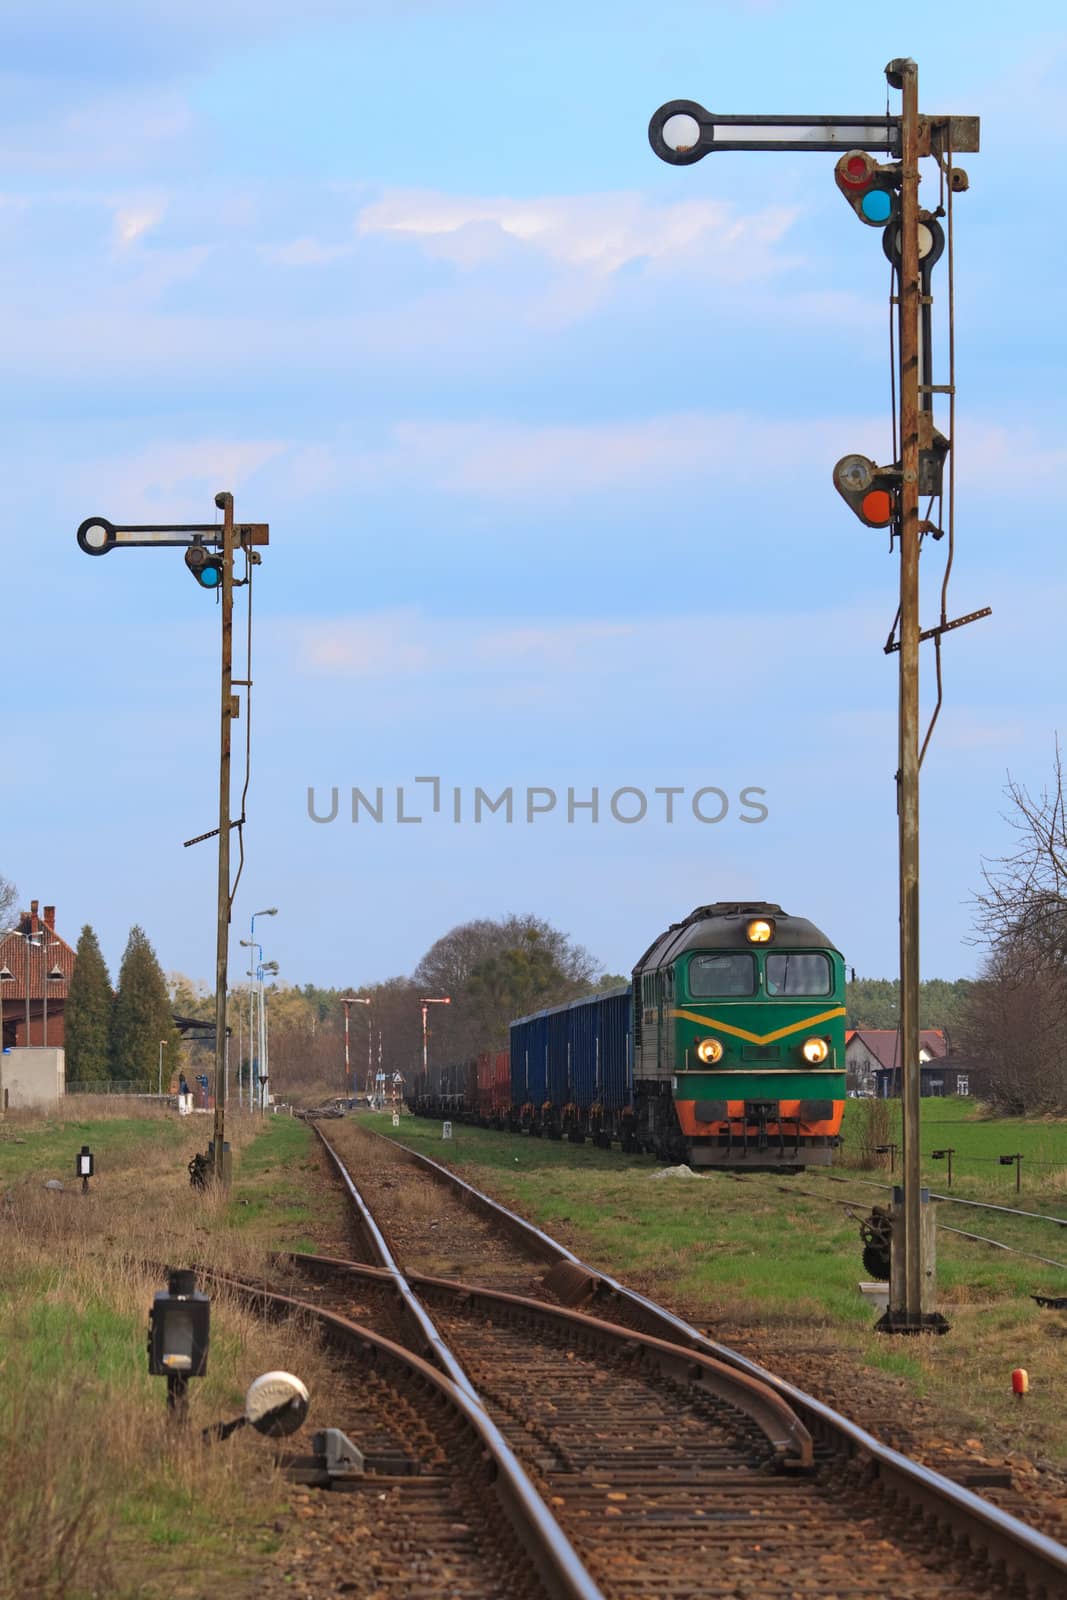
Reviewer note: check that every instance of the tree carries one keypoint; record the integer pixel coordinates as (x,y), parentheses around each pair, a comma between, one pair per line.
(875,1003)
(1016,1024)
(1024,899)
(87,1014)
(142,1017)
(8,900)
(493,971)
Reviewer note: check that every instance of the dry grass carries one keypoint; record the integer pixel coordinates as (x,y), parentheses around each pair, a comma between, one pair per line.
(99,1495)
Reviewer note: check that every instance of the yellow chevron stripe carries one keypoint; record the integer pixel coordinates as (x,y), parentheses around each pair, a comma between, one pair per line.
(760,1038)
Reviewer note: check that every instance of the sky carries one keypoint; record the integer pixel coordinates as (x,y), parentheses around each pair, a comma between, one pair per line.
(544,431)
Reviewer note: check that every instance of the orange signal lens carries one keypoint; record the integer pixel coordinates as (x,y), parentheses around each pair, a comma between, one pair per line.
(877,508)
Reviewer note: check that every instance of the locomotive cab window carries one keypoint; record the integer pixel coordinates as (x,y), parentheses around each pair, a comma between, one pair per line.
(799,972)
(726,973)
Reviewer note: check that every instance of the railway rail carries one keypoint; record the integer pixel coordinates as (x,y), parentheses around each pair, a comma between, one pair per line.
(658,1452)
(942,1227)
(465,1518)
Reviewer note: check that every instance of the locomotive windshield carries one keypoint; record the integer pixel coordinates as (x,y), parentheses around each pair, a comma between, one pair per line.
(727,972)
(799,972)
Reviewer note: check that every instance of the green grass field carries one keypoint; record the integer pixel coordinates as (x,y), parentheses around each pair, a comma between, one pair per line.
(978,1140)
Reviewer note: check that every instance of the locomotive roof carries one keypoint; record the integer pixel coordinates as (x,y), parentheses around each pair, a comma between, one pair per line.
(721,926)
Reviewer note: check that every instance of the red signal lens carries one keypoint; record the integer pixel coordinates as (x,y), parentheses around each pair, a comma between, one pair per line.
(877,508)
(854,171)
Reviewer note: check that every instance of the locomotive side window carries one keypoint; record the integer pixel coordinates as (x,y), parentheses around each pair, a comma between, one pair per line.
(799,972)
(730,972)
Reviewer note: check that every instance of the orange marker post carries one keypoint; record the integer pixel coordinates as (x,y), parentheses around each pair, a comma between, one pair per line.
(1020,1382)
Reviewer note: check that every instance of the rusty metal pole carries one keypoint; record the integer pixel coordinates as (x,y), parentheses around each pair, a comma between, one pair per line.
(905,75)
(221,1170)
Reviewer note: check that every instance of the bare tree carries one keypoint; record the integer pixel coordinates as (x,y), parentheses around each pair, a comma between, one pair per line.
(1024,901)
(1016,1019)
(9,896)
(493,971)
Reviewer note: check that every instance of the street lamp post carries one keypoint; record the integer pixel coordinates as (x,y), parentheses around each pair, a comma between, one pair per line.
(271,911)
(28,939)
(250,944)
(264,1037)
(46,978)
(445,1000)
(162,1047)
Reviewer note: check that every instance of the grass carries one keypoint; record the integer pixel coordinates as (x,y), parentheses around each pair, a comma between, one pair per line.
(978,1140)
(762,1254)
(98,1494)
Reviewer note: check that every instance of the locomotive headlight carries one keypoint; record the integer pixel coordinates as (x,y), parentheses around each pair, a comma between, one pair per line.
(709,1051)
(815,1050)
(759,932)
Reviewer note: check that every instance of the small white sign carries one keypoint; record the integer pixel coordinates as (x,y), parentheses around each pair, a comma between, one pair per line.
(446,1130)
(85,1166)
(396,1119)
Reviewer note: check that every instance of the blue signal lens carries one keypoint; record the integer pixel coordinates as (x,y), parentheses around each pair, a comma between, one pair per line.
(210,577)
(877,205)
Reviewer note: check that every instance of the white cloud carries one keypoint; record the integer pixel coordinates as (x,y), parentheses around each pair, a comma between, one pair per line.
(180,479)
(596,233)
(543,654)
(133,222)
(510,460)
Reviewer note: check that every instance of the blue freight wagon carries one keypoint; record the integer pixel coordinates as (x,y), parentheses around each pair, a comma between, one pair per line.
(572,1069)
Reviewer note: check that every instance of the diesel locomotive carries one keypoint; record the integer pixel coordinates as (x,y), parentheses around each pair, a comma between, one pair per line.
(727,1049)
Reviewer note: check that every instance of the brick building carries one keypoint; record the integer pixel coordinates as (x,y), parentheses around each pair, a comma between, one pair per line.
(34,956)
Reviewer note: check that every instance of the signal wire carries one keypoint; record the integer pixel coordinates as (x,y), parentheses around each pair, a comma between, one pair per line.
(945,205)
(240,823)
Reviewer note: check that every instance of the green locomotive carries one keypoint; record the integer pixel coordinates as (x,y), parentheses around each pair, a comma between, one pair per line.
(739,1040)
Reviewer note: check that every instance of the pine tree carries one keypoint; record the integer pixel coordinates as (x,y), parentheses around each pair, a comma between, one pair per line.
(142,1017)
(87,1014)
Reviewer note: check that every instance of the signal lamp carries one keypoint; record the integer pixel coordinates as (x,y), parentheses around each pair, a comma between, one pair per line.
(866,489)
(709,1051)
(205,567)
(179,1330)
(759,932)
(931,243)
(869,188)
(815,1050)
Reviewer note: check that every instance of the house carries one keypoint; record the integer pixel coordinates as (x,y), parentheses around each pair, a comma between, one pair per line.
(36,966)
(872,1061)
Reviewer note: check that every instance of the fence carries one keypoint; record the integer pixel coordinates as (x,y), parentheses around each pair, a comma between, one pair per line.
(130,1086)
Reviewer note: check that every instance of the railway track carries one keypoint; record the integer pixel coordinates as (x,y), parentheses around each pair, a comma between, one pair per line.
(674,1466)
(942,1227)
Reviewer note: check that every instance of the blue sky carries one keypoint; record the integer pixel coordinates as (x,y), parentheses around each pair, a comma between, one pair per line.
(544,432)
